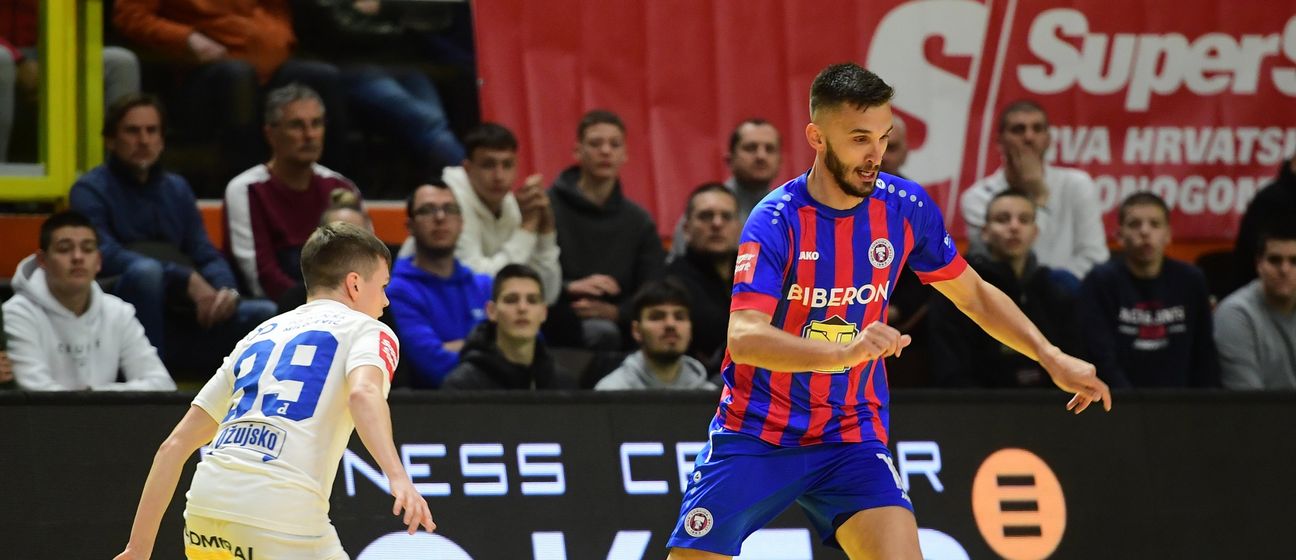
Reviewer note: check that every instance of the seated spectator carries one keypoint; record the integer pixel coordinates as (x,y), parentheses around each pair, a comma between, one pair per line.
(610,245)
(435,300)
(1255,326)
(1147,317)
(711,231)
(399,101)
(225,52)
(501,228)
(961,353)
(505,351)
(897,150)
(1069,219)
(271,209)
(754,161)
(152,240)
(344,208)
(65,333)
(1271,209)
(662,328)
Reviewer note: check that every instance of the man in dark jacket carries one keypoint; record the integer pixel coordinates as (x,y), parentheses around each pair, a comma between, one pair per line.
(609,245)
(962,354)
(1273,207)
(505,352)
(152,239)
(1146,317)
(706,268)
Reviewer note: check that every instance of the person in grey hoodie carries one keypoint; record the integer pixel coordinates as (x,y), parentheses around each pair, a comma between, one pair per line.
(663,330)
(64,333)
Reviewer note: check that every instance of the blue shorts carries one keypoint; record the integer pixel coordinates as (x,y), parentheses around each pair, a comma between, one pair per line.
(740,483)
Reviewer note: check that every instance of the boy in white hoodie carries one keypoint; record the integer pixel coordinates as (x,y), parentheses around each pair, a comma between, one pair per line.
(65,333)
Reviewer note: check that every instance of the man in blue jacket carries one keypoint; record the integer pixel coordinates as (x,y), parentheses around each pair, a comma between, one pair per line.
(435,300)
(153,242)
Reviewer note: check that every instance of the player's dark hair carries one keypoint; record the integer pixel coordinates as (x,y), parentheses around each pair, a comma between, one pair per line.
(435,182)
(337,249)
(847,83)
(661,292)
(703,189)
(736,136)
(124,104)
(66,218)
(598,116)
(279,98)
(489,136)
(1142,198)
(1019,106)
(510,272)
(1014,193)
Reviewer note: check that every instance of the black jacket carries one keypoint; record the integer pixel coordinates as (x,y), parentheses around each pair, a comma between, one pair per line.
(709,309)
(1273,207)
(482,366)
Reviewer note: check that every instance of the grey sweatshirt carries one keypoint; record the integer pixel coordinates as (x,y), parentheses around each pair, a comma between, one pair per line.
(1257,345)
(634,374)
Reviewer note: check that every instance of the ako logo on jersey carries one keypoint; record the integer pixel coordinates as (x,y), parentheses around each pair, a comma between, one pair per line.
(390,355)
(834,329)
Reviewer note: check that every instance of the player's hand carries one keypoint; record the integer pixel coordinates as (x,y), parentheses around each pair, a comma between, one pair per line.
(877,340)
(130,554)
(415,507)
(1077,376)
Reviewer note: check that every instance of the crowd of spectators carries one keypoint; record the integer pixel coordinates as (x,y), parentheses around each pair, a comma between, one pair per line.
(503,283)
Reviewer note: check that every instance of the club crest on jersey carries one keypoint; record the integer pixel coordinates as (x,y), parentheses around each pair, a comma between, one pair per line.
(387,350)
(698,522)
(881,253)
(834,329)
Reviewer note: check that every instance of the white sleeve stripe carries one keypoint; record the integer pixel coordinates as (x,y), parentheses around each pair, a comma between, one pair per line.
(239,225)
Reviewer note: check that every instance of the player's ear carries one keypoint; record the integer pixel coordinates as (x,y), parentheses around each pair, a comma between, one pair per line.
(353,284)
(814,136)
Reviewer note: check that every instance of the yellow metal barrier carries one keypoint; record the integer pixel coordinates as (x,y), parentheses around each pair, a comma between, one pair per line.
(71,102)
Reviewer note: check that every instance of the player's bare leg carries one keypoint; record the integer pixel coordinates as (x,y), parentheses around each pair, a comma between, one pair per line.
(889,533)
(691,554)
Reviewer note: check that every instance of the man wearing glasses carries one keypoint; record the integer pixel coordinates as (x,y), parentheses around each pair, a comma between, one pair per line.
(435,299)
(1255,326)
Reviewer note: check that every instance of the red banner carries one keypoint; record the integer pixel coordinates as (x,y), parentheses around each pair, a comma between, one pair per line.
(1192,99)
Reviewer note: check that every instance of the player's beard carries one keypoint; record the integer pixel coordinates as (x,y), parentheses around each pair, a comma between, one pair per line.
(838,170)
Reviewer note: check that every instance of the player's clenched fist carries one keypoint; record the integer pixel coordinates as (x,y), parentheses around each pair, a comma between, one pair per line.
(877,340)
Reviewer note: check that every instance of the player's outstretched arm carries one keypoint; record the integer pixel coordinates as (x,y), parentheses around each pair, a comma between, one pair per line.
(194,430)
(373,423)
(1001,318)
(754,341)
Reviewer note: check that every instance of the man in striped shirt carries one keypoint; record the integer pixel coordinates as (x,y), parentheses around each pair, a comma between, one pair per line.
(804,414)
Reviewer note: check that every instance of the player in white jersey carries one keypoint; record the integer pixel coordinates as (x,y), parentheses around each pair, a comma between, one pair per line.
(276,417)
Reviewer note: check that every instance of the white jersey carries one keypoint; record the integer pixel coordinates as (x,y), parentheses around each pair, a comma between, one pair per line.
(281,401)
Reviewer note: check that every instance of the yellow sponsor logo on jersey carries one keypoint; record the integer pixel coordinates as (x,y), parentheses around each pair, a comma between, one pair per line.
(834,329)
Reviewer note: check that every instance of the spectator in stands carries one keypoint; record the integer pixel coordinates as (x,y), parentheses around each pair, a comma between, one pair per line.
(65,333)
(909,304)
(1272,208)
(663,329)
(1255,326)
(227,51)
(1069,219)
(500,227)
(706,269)
(963,355)
(345,207)
(897,150)
(506,351)
(272,208)
(435,299)
(1147,317)
(610,245)
(20,66)
(152,239)
(754,161)
(401,102)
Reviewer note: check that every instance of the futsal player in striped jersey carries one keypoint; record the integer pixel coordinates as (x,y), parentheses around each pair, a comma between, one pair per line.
(804,413)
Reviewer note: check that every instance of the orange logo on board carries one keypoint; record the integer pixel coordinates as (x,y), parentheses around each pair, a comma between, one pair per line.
(1018,505)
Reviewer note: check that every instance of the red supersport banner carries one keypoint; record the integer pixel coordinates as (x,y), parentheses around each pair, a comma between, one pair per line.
(1192,99)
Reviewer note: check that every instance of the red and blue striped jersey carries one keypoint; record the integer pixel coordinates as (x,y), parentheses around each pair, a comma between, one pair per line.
(825,273)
